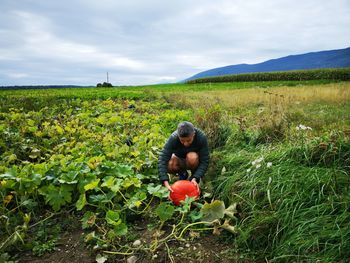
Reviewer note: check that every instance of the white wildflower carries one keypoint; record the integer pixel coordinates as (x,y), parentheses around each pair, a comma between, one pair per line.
(270,180)
(248,170)
(223,170)
(258,166)
(269,164)
(257,161)
(260,159)
(303,127)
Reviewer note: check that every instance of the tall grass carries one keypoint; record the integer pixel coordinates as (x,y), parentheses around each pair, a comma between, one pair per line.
(291,96)
(291,185)
(296,210)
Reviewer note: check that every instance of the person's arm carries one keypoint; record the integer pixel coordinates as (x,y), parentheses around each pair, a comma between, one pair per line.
(203,159)
(163,161)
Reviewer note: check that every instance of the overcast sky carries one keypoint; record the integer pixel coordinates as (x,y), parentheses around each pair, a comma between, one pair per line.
(156,41)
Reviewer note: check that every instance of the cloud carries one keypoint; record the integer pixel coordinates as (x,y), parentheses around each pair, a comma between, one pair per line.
(144,42)
(41,43)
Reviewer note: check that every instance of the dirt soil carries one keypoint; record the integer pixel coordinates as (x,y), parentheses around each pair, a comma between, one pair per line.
(71,249)
(197,248)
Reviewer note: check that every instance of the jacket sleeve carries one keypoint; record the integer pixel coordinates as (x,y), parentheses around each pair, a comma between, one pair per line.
(164,158)
(203,159)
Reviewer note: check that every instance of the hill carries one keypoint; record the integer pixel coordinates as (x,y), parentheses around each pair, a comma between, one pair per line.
(339,58)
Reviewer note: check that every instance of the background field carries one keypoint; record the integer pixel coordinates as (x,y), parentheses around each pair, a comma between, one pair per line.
(280,160)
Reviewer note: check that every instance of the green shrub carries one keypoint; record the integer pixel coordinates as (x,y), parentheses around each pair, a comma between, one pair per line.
(296,75)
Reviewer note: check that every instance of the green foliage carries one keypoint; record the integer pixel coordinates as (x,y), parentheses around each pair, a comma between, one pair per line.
(96,156)
(40,249)
(165,211)
(300,75)
(57,196)
(213,211)
(6,258)
(211,118)
(292,198)
(87,152)
(104,85)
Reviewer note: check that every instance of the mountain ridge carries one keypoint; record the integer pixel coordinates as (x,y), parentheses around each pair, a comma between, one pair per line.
(337,58)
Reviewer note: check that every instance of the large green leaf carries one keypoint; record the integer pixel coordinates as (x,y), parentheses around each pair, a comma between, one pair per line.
(112,183)
(68,178)
(131,182)
(158,191)
(57,196)
(123,171)
(81,202)
(214,210)
(121,229)
(91,185)
(101,198)
(113,218)
(165,211)
(136,199)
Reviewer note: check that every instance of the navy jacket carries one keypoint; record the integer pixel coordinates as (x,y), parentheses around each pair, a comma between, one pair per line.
(173,145)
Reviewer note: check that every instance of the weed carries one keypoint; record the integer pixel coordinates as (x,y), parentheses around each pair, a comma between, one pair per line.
(40,249)
(212,120)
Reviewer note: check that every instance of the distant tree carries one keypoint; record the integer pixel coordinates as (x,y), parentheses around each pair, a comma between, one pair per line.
(104,85)
(107,84)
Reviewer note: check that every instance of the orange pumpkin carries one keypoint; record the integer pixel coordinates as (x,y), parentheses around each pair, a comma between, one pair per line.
(181,189)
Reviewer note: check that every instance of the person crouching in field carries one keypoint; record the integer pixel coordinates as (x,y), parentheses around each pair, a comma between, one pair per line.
(186,149)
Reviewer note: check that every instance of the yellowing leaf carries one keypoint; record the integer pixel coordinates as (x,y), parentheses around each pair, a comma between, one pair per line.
(92,185)
(59,129)
(214,210)
(7,199)
(88,219)
(95,161)
(81,202)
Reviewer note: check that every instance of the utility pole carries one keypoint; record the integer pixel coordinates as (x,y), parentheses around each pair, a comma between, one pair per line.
(107,77)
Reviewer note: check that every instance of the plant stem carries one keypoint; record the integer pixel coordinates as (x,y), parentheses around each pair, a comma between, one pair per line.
(169,254)
(118,253)
(189,225)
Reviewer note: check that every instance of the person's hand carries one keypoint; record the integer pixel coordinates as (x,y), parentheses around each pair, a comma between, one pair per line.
(194,181)
(167,185)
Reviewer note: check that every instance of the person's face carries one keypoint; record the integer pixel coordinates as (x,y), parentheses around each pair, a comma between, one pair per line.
(187,141)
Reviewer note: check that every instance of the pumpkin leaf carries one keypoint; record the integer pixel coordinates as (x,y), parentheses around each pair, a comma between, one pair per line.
(88,219)
(81,202)
(165,211)
(113,218)
(57,196)
(214,210)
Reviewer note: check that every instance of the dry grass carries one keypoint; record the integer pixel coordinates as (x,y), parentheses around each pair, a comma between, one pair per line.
(331,93)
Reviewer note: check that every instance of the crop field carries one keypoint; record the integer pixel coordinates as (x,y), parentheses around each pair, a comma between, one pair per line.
(79,180)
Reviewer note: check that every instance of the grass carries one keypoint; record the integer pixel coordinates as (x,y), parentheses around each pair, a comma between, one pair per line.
(298,209)
(295,209)
(288,96)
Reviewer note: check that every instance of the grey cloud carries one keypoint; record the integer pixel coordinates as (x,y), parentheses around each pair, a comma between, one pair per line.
(143,42)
